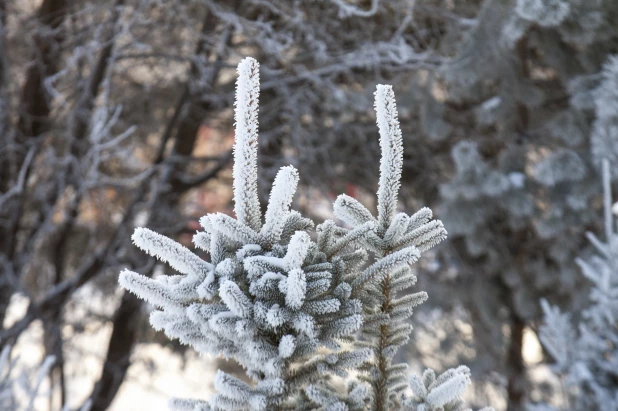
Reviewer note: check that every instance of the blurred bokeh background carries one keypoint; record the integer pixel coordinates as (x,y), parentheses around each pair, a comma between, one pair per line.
(119,113)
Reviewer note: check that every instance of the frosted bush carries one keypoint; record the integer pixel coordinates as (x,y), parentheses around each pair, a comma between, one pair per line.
(586,357)
(547,13)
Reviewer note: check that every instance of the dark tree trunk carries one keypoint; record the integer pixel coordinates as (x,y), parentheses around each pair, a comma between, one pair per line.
(32,122)
(516,388)
(119,351)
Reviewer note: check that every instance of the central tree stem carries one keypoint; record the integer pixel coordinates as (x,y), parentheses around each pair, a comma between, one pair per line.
(381,389)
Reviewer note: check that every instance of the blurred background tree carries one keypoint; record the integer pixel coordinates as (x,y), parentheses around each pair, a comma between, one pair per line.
(117,113)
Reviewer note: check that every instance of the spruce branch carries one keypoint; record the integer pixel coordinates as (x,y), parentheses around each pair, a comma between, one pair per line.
(246,200)
(279,203)
(391,163)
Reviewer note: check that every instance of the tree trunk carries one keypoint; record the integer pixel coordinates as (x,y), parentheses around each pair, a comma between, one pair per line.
(32,122)
(516,388)
(118,359)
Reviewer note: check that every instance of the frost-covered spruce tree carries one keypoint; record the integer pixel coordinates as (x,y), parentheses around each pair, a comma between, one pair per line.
(535,83)
(586,358)
(288,308)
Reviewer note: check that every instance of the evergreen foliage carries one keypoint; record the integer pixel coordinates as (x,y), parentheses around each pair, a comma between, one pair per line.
(296,310)
(534,81)
(586,357)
